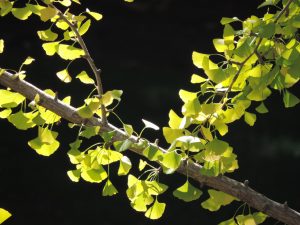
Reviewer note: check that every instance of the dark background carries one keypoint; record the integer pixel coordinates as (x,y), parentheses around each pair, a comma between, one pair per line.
(144,49)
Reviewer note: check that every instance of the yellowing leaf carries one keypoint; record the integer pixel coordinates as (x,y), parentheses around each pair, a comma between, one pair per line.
(109,189)
(6,7)
(47,13)
(84,78)
(1,45)
(290,100)
(4,215)
(109,96)
(65,3)
(50,48)
(216,200)
(28,60)
(171,160)
(156,210)
(94,175)
(47,35)
(149,124)
(199,59)
(5,113)
(187,192)
(262,108)
(125,166)
(64,76)
(62,25)
(21,13)
(69,52)
(187,96)
(22,121)
(74,175)
(84,27)
(142,164)
(10,99)
(172,134)
(250,118)
(95,15)
(196,79)
(206,133)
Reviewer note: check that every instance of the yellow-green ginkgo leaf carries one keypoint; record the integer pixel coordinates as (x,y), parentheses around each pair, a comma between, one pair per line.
(196,79)
(64,76)
(250,118)
(84,78)
(125,166)
(4,215)
(85,112)
(199,59)
(109,189)
(84,27)
(5,113)
(171,160)
(51,47)
(74,175)
(156,210)
(95,15)
(21,13)
(187,192)
(216,200)
(47,35)
(47,13)
(28,60)
(10,99)
(6,7)
(62,25)
(94,175)
(1,45)
(22,121)
(69,52)
(65,3)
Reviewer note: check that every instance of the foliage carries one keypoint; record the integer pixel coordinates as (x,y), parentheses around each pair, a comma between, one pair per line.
(256,57)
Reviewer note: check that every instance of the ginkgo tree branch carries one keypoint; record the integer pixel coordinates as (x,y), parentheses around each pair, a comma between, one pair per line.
(230,186)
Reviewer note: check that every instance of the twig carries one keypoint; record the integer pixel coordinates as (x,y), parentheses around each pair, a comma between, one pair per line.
(283,11)
(222,183)
(87,56)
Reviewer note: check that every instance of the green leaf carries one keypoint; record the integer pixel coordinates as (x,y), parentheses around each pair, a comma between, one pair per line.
(171,160)
(262,108)
(69,52)
(95,15)
(28,60)
(125,166)
(47,35)
(4,215)
(187,96)
(172,134)
(109,96)
(85,112)
(94,175)
(1,46)
(246,219)
(21,13)
(216,200)
(109,189)
(84,78)
(187,192)
(199,59)
(106,157)
(196,79)
(6,7)
(259,217)
(156,210)
(45,144)
(74,175)
(216,146)
(250,118)
(150,125)
(142,164)
(90,132)
(226,20)
(47,13)
(10,99)
(268,3)
(84,27)
(64,76)
(207,133)
(50,48)
(5,113)
(121,146)
(128,129)
(153,153)
(22,121)
(289,99)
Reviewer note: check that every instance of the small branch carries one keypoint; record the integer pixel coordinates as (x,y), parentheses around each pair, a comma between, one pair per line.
(237,189)
(286,8)
(87,56)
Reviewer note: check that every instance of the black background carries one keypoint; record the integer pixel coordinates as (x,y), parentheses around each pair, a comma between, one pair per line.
(144,49)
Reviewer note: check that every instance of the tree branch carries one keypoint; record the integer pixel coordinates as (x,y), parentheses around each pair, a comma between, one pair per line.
(237,189)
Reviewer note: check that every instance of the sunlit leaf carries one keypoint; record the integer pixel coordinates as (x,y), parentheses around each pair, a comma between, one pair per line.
(216,200)
(149,124)
(226,20)
(74,175)
(250,118)
(47,13)
(94,175)
(84,27)
(1,45)
(84,78)
(95,15)
(153,153)
(290,100)
(50,48)
(125,166)
(10,99)
(22,121)
(262,108)
(109,189)
(64,76)
(47,35)
(5,113)
(142,164)
(196,79)
(156,210)
(171,160)
(28,60)
(4,215)
(187,192)
(69,52)
(21,13)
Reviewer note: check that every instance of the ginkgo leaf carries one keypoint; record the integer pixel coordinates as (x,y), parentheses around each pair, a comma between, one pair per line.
(94,175)
(47,13)
(250,118)
(142,164)
(290,100)
(69,52)
(47,35)
(125,166)
(74,175)
(89,132)
(156,210)
(65,3)
(216,200)
(28,60)
(84,78)
(95,15)
(1,45)
(262,108)
(21,13)
(5,113)
(171,160)
(196,79)
(226,20)
(84,27)
(22,121)
(64,76)
(187,192)
(10,99)
(50,48)
(153,153)
(109,189)
(4,215)
(150,125)
(128,129)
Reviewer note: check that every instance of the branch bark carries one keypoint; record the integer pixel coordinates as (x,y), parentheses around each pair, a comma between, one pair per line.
(230,186)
